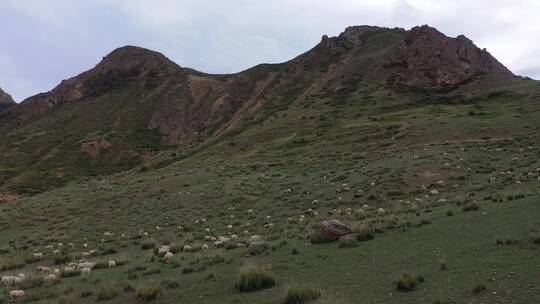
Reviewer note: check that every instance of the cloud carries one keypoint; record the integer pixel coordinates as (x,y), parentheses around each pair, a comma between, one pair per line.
(47,41)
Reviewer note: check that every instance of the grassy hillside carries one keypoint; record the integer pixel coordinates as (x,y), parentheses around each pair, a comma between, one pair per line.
(458,176)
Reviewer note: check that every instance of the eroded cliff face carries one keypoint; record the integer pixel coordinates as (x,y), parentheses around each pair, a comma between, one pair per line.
(427,59)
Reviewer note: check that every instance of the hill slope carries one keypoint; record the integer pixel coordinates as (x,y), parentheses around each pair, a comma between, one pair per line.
(135,102)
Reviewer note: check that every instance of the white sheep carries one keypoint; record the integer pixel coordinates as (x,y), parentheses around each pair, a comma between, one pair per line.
(50,279)
(187,248)
(16,295)
(381,212)
(38,255)
(43,269)
(163,249)
(19,279)
(86,271)
(167,258)
(204,247)
(83,265)
(7,280)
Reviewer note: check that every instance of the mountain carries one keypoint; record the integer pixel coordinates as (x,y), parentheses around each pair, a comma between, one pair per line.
(5,100)
(136,102)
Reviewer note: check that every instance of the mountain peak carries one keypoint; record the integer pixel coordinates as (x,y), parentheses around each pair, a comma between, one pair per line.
(133,57)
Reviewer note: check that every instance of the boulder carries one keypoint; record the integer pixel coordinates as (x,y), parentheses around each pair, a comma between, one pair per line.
(331,230)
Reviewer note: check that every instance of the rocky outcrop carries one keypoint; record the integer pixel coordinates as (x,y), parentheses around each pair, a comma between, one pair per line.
(5,100)
(427,59)
(329,231)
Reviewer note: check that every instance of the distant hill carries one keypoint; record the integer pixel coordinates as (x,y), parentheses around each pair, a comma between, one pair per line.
(136,102)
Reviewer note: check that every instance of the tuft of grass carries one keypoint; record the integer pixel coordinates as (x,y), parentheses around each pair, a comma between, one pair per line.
(479,287)
(253,277)
(443,265)
(148,292)
(471,207)
(106,294)
(408,281)
(302,295)
(148,244)
(364,230)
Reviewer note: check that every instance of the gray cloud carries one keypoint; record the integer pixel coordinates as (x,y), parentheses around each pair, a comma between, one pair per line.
(46,41)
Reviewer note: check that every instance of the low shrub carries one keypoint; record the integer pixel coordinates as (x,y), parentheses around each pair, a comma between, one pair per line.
(408,281)
(148,292)
(471,207)
(302,295)
(253,277)
(479,287)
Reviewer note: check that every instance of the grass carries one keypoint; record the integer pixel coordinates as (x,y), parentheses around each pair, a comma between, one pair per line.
(106,294)
(148,292)
(398,143)
(408,281)
(253,277)
(302,295)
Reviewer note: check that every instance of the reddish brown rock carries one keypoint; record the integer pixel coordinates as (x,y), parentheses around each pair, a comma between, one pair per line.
(427,59)
(333,229)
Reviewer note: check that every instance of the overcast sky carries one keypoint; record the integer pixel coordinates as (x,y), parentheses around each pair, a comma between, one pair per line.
(45,41)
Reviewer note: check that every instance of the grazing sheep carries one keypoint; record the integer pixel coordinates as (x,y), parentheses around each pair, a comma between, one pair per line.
(167,258)
(86,271)
(7,280)
(255,238)
(223,239)
(49,247)
(56,271)
(50,279)
(234,237)
(107,234)
(19,279)
(229,226)
(204,248)
(83,265)
(112,263)
(43,269)
(434,192)
(187,248)
(38,255)
(16,295)
(250,211)
(69,269)
(56,252)
(163,250)
(381,212)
